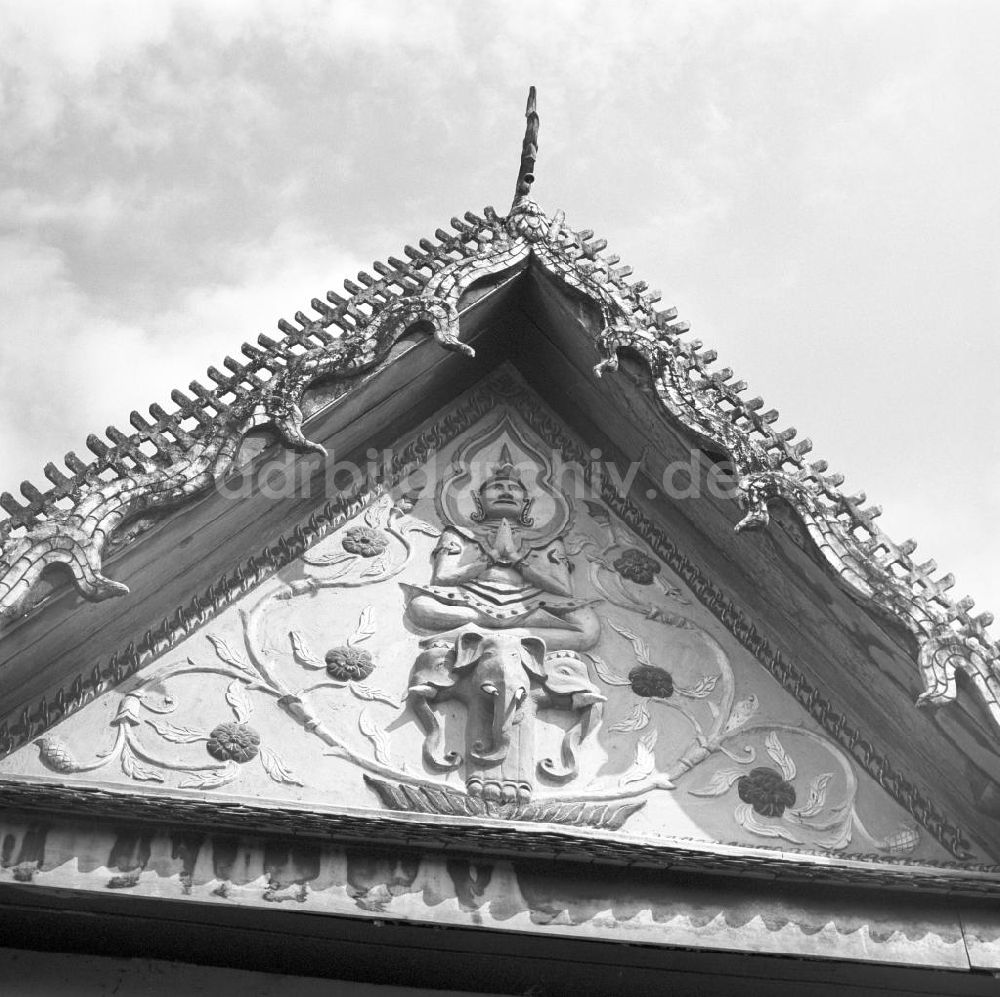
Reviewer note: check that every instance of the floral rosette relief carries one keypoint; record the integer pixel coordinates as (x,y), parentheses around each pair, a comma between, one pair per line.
(144,729)
(155,713)
(374,549)
(623,571)
(495,647)
(793,785)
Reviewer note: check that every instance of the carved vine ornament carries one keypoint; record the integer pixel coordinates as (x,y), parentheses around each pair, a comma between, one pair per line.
(359,538)
(506,634)
(181,454)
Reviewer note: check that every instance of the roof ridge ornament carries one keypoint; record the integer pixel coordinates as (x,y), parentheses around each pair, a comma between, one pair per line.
(529,153)
(526,220)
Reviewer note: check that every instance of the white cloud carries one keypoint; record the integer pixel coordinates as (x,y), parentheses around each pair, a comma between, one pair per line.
(83,369)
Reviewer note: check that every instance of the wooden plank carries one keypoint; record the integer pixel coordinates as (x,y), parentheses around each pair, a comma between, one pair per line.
(388,952)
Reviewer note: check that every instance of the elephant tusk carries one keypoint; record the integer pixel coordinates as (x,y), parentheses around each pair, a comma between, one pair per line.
(565,772)
(580,700)
(519,697)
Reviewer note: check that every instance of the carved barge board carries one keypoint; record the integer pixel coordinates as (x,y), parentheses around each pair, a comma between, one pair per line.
(843,648)
(784,738)
(170,564)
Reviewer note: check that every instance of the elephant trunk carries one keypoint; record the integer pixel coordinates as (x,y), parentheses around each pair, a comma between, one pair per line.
(433,735)
(507,712)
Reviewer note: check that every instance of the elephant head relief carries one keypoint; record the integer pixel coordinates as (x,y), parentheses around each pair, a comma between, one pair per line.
(502,679)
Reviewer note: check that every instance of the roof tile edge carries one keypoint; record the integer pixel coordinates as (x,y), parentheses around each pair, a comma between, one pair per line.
(196,444)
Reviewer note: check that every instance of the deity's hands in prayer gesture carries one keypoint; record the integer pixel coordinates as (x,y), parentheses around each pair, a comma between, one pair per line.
(505,549)
(492,578)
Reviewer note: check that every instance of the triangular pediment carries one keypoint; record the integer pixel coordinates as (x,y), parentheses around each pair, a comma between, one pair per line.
(496,631)
(478,600)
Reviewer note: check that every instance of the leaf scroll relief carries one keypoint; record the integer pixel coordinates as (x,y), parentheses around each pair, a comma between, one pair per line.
(622,569)
(667,720)
(374,548)
(226,747)
(788,798)
(255,676)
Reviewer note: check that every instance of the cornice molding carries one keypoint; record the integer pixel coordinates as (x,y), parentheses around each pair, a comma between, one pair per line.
(498,838)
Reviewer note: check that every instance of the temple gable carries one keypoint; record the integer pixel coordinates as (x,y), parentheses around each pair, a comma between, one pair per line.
(483,640)
(479,601)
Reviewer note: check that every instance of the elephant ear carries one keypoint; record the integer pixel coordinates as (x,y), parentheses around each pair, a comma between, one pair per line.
(566,674)
(533,655)
(467,649)
(433,668)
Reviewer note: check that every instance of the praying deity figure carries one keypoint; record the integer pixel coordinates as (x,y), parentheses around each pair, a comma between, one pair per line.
(491,577)
(505,634)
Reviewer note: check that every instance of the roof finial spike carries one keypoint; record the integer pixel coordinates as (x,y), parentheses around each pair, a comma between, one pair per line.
(529,150)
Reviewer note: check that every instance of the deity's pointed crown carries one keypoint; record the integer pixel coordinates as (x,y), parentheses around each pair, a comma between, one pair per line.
(504,470)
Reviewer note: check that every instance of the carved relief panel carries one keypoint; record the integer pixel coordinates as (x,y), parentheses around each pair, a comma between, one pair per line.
(486,640)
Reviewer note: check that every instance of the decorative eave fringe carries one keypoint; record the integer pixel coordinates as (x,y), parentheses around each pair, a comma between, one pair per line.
(180,453)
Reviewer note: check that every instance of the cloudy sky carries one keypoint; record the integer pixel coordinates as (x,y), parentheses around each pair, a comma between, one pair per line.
(813,185)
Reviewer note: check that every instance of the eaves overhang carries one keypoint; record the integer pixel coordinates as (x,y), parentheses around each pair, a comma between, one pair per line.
(176,456)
